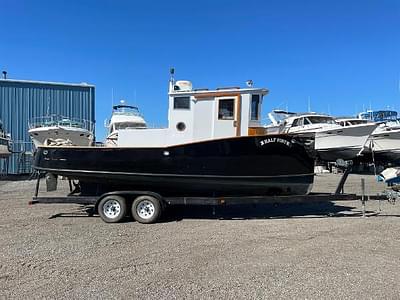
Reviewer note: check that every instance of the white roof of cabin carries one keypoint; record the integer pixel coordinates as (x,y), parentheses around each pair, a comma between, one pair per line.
(218,92)
(294,117)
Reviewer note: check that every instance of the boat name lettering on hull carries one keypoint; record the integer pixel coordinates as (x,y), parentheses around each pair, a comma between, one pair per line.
(275,140)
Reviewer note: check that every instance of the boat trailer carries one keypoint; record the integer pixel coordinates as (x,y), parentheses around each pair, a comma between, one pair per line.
(147,206)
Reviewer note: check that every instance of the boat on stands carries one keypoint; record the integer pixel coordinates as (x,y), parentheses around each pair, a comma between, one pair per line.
(331,141)
(214,145)
(123,117)
(5,143)
(60,130)
(384,142)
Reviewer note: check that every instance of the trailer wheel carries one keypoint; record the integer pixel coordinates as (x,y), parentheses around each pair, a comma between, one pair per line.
(112,209)
(146,209)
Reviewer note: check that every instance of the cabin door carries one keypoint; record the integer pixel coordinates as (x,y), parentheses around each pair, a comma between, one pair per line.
(203,119)
(226,123)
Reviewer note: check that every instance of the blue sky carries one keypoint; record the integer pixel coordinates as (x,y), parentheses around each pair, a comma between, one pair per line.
(342,55)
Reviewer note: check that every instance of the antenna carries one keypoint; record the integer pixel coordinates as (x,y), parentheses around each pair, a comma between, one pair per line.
(398,84)
(171,79)
(309,104)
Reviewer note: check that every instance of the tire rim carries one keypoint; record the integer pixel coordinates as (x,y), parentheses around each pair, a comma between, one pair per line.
(145,209)
(111,209)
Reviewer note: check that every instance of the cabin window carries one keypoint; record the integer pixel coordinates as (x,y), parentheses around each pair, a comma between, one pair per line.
(182,103)
(181,126)
(226,108)
(255,107)
(318,119)
(296,123)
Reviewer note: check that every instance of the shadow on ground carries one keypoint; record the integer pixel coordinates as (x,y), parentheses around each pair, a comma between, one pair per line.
(259,211)
(242,212)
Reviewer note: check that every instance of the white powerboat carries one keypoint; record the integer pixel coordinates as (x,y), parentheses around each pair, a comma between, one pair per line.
(59,130)
(5,143)
(332,141)
(385,140)
(123,117)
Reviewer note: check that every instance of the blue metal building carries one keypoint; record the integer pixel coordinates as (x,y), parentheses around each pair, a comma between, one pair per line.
(23,100)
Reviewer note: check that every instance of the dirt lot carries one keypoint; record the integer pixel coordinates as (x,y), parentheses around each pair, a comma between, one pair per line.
(287,251)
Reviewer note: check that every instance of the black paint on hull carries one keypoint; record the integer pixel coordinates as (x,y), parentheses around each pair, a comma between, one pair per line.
(257,165)
(333,154)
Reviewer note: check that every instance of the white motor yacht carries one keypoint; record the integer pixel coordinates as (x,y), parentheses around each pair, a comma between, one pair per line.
(4,143)
(123,117)
(385,139)
(332,141)
(59,130)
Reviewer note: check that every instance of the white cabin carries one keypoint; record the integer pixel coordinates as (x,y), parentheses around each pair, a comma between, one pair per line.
(197,115)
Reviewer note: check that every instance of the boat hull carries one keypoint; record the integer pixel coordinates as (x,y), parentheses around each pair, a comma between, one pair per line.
(385,145)
(257,165)
(77,136)
(345,143)
(4,148)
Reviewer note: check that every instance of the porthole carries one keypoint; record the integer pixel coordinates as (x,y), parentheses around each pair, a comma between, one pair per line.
(181,126)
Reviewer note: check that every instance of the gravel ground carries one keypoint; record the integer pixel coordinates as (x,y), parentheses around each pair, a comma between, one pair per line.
(288,251)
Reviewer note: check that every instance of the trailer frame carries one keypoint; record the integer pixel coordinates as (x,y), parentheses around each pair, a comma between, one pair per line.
(156,200)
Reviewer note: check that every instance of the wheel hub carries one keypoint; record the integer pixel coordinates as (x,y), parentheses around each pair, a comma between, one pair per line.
(111,209)
(145,209)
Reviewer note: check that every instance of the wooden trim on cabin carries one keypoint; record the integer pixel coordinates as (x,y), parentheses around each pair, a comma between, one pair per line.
(238,117)
(257,131)
(215,95)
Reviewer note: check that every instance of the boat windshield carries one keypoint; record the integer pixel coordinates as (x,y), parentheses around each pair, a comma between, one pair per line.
(357,122)
(318,120)
(126,110)
(379,115)
(352,122)
(127,125)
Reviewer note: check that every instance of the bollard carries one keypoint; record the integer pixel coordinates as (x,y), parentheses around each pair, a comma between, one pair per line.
(363,196)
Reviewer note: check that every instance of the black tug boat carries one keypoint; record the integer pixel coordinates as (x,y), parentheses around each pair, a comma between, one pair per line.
(214,146)
(253,165)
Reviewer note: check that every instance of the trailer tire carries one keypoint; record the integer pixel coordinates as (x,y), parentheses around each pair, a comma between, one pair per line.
(112,209)
(146,209)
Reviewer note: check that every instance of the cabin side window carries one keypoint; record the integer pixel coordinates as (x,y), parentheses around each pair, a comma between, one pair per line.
(182,103)
(226,108)
(255,107)
(296,123)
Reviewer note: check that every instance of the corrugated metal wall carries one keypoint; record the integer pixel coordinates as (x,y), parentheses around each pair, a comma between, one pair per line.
(21,101)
